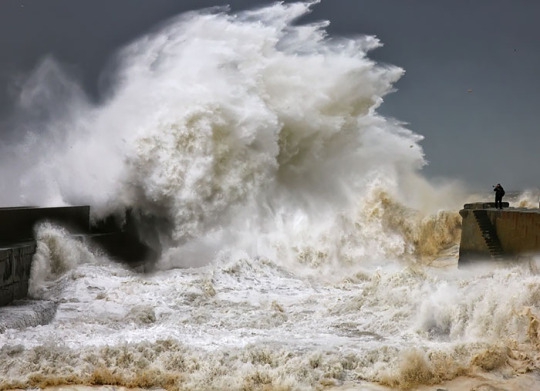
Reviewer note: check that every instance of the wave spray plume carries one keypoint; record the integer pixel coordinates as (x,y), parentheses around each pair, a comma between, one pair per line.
(237,131)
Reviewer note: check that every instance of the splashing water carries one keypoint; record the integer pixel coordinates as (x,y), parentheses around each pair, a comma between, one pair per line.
(233,129)
(296,229)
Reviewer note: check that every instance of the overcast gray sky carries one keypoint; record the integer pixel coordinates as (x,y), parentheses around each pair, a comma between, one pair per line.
(471,86)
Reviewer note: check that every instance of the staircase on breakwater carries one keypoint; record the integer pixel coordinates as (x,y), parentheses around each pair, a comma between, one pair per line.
(490,233)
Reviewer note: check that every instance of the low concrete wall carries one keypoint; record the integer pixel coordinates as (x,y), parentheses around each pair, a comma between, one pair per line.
(17,244)
(15,266)
(518,231)
(17,224)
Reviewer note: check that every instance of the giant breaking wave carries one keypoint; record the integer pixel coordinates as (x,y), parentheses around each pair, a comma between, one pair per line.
(238,132)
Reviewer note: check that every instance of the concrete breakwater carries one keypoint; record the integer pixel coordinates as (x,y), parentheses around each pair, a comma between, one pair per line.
(15,264)
(489,233)
(18,245)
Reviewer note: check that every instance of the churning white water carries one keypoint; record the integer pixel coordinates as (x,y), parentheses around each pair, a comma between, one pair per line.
(301,247)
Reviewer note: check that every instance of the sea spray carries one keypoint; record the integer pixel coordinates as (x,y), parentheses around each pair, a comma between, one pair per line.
(57,253)
(222,128)
(296,228)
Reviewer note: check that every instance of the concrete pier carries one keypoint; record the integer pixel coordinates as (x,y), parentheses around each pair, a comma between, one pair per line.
(17,224)
(15,265)
(18,245)
(489,233)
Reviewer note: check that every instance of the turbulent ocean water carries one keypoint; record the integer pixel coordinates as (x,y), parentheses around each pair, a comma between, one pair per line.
(301,247)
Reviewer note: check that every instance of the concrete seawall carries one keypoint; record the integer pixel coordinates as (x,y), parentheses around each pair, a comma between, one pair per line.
(17,224)
(18,245)
(15,265)
(489,233)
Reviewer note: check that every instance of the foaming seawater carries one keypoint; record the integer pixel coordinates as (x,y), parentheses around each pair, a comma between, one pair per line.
(529,198)
(248,324)
(521,383)
(301,247)
(245,131)
(57,253)
(26,313)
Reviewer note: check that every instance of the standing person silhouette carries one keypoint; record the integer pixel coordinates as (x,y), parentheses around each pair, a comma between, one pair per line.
(499,194)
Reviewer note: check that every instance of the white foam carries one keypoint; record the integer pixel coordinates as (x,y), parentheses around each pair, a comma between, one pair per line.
(293,217)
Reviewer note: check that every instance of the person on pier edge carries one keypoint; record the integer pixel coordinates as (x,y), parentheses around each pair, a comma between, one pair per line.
(499,194)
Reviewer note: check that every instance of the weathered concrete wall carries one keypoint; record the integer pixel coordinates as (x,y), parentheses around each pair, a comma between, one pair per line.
(15,266)
(518,231)
(472,245)
(17,244)
(17,224)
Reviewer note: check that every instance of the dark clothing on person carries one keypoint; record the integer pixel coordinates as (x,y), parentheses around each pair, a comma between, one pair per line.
(499,194)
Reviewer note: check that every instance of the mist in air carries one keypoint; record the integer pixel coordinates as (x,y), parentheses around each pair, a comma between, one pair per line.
(301,246)
(225,128)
